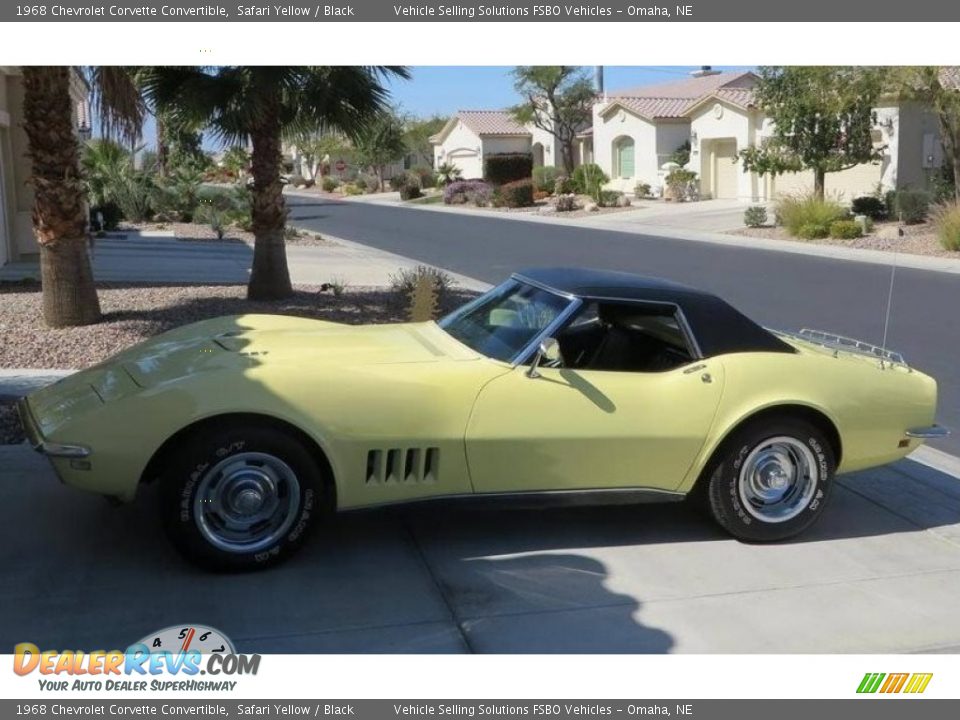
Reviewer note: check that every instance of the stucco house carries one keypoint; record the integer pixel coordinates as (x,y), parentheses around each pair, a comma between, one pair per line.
(636,130)
(726,121)
(471,135)
(16,198)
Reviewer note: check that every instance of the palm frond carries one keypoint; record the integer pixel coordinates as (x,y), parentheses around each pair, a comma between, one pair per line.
(117,101)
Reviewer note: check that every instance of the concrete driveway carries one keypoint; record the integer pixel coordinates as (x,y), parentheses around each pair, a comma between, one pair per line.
(880,573)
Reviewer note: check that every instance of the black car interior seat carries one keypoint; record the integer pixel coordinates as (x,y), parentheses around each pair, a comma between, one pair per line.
(620,339)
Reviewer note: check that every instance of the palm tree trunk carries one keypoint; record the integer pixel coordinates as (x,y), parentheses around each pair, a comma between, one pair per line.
(59,207)
(163,150)
(270,277)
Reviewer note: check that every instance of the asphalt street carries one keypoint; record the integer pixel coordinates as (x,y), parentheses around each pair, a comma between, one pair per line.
(781,290)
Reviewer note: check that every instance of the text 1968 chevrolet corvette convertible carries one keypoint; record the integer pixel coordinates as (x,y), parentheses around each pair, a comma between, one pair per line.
(556,385)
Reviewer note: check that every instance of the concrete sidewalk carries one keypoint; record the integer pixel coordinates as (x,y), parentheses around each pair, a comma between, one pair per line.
(160,257)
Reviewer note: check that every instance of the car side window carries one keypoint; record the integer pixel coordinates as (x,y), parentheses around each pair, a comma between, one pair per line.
(625,337)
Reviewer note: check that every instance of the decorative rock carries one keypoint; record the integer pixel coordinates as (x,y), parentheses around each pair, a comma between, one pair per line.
(591,207)
(623,201)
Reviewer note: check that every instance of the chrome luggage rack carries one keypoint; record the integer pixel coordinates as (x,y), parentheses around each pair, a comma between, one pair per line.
(837,343)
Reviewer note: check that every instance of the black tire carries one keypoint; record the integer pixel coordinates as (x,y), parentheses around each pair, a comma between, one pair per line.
(300,493)
(747,514)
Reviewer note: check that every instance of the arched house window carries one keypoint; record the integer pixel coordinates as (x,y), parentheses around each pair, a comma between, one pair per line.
(623,157)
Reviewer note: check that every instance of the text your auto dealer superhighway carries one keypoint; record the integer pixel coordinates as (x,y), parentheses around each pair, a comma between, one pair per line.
(136,12)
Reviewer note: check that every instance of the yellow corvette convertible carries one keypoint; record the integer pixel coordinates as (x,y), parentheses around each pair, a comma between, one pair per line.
(557,385)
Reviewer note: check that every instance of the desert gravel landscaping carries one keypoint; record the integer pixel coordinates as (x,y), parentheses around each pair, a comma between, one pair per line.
(136,311)
(917,239)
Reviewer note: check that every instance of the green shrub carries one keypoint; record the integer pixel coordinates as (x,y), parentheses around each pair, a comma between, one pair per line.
(329,184)
(351,189)
(503,168)
(943,185)
(214,217)
(845,229)
(448,173)
(813,231)
(563,186)
(179,194)
(409,186)
(911,206)
(398,181)
(755,216)
(410,192)
(588,179)
(428,178)
(517,194)
(369,183)
(679,183)
(795,212)
(545,178)
(871,206)
(609,198)
(105,217)
(946,220)
(642,190)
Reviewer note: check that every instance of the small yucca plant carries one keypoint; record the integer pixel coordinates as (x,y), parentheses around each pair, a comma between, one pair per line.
(422,302)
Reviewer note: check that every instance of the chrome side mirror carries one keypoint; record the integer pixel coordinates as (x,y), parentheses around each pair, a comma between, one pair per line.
(549,351)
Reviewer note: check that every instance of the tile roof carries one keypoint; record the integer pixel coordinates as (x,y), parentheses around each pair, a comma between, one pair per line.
(491,122)
(674,99)
(654,107)
(690,88)
(741,97)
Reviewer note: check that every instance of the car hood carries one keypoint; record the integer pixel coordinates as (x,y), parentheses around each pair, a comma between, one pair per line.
(238,343)
(252,340)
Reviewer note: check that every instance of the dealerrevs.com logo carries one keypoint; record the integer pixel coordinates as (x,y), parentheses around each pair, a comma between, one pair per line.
(891,683)
(170,659)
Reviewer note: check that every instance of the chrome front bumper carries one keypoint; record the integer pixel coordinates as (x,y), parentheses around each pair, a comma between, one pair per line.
(36,439)
(930,432)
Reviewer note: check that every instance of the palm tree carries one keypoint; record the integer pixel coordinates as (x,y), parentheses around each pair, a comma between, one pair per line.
(59,205)
(261,105)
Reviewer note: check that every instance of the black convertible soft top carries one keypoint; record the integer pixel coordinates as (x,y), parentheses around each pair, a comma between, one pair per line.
(717,326)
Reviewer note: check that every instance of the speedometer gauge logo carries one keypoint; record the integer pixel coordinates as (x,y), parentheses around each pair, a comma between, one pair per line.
(187,637)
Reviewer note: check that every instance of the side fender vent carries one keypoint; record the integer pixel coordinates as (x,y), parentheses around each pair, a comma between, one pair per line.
(402,465)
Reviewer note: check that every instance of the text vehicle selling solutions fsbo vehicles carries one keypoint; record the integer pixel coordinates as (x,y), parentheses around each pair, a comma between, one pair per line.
(557,385)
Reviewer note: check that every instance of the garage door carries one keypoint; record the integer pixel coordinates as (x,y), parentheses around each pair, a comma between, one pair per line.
(468,161)
(726,171)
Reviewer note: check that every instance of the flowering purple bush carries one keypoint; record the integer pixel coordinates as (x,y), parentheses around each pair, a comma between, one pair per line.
(463,191)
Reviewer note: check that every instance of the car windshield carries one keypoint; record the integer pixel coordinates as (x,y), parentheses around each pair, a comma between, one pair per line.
(501,323)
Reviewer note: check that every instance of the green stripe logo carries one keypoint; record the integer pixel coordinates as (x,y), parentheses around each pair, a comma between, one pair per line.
(891,683)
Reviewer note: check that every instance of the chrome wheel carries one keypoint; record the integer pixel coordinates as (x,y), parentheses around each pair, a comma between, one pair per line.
(778,479)
(246,502)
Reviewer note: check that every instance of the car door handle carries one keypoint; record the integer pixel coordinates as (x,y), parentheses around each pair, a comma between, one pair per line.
(693,368)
